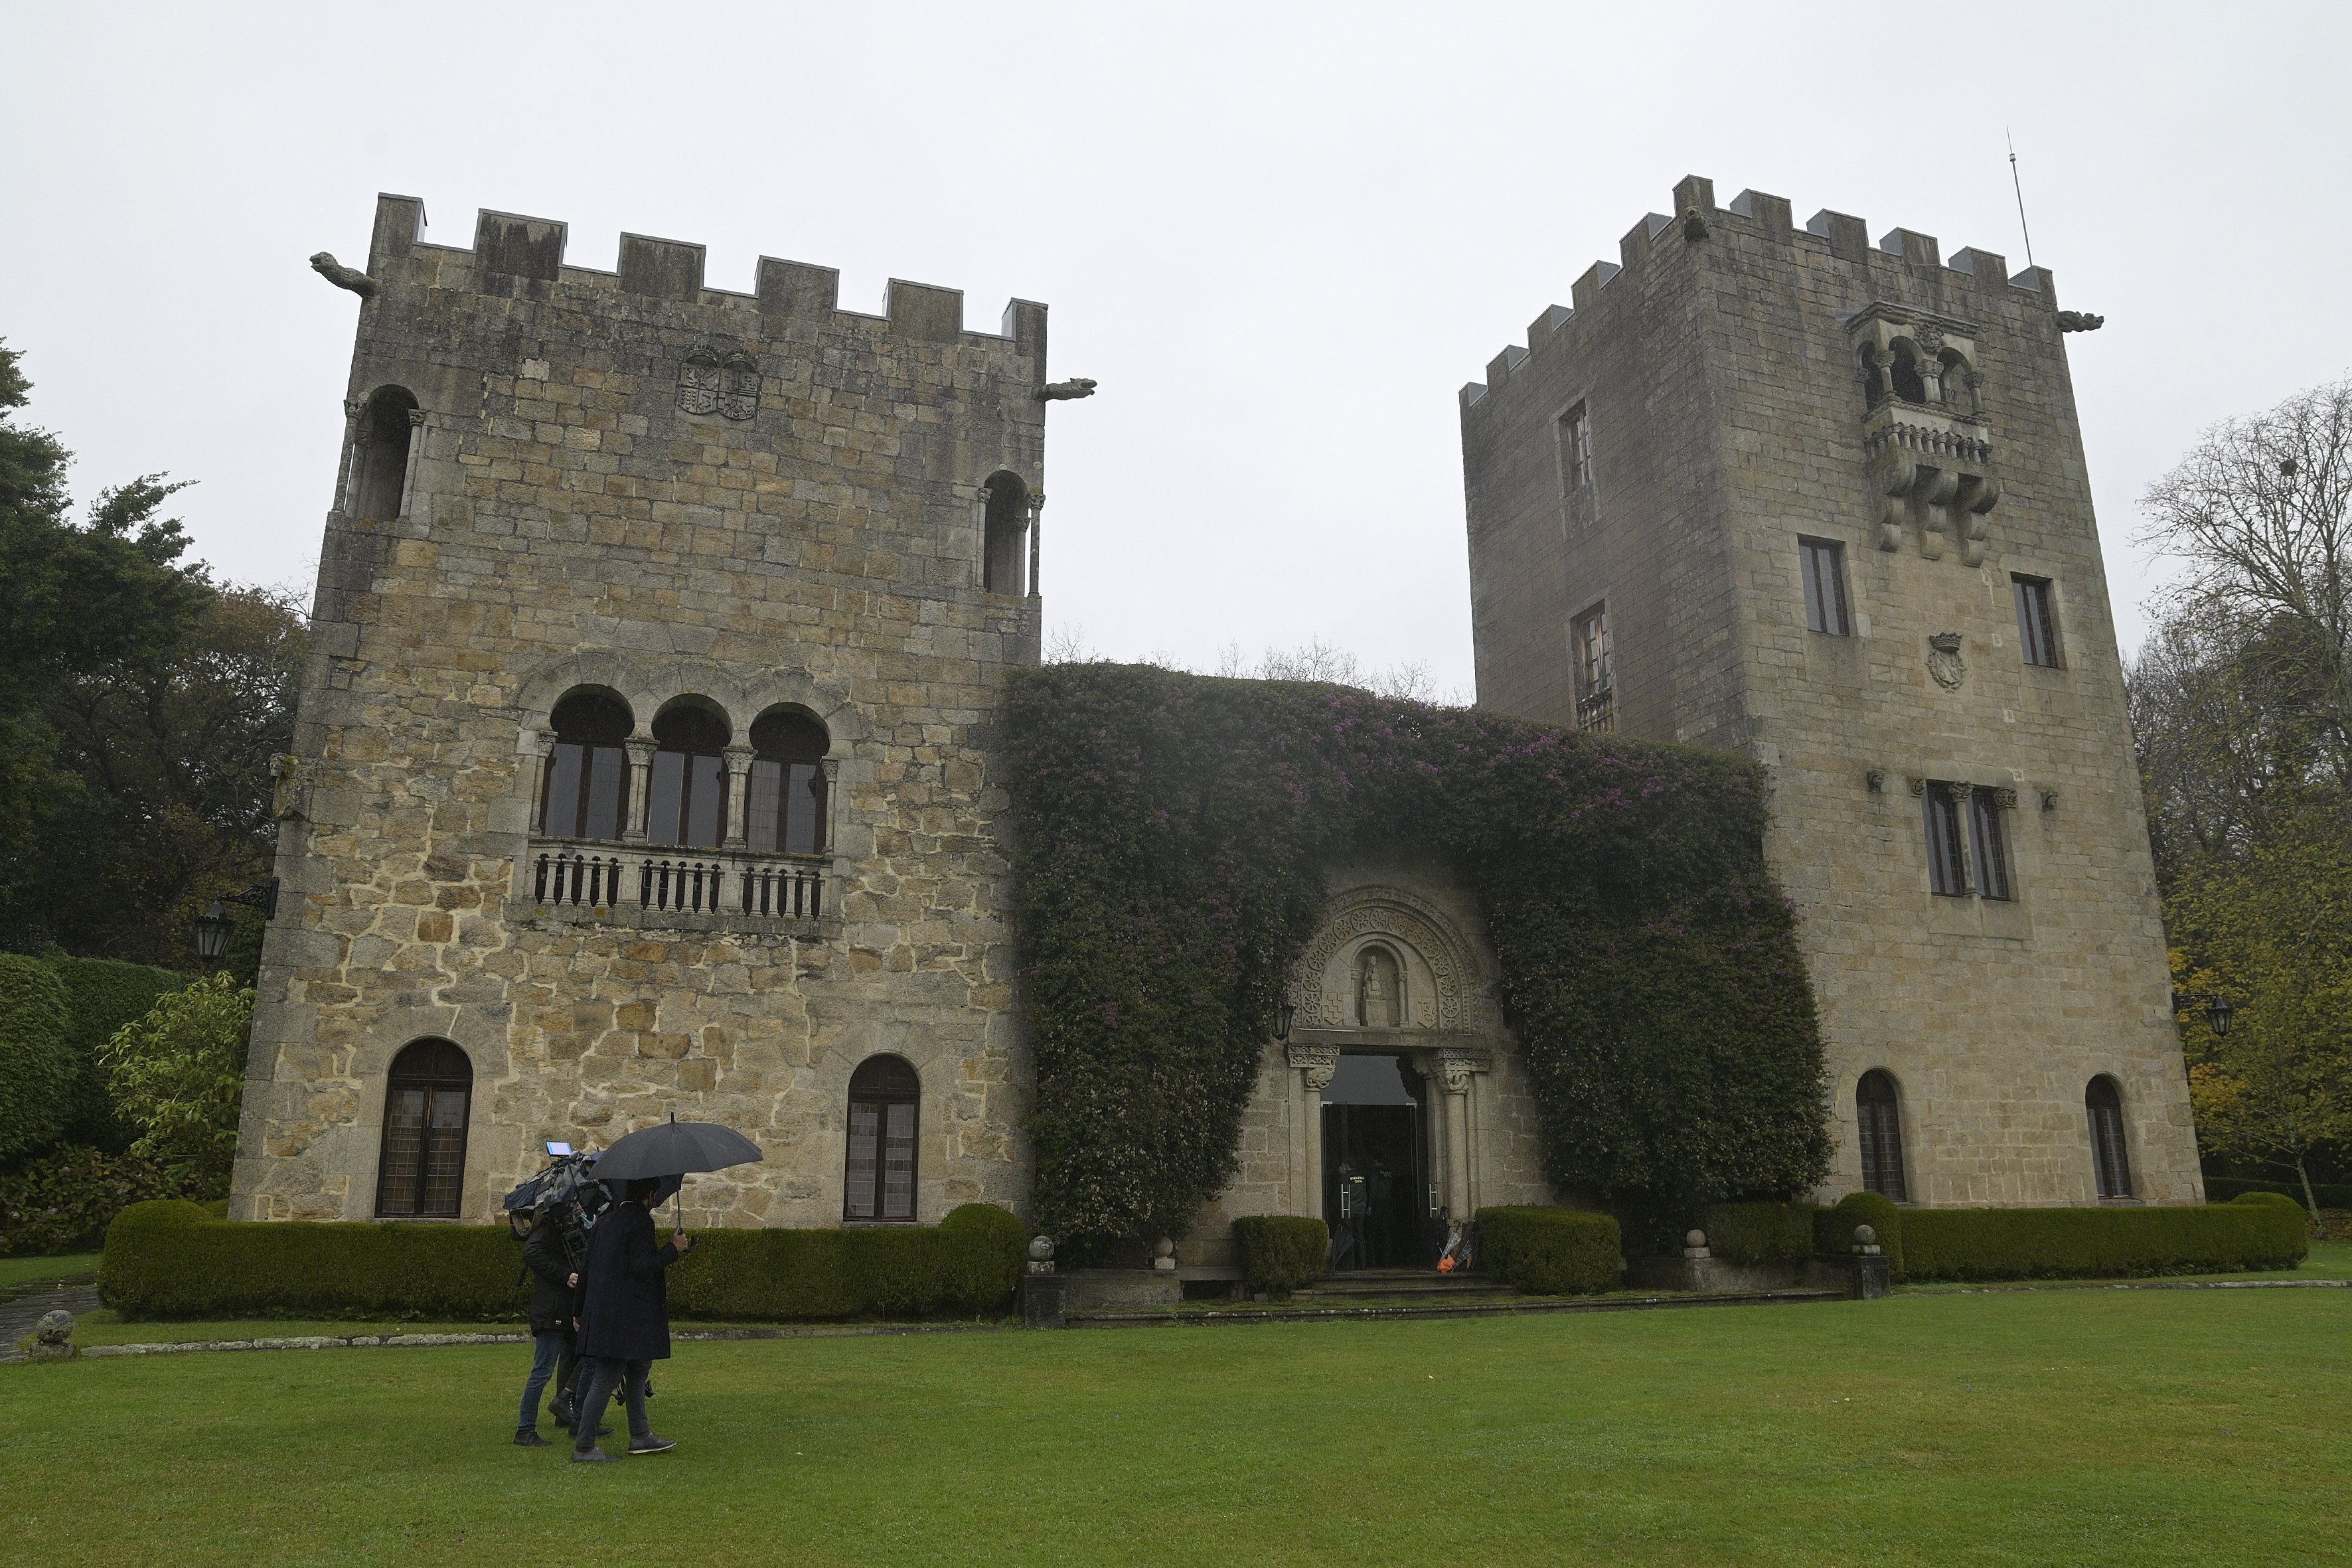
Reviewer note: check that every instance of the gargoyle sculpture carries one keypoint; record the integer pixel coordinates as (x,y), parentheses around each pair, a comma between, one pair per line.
(325,265)
(2079,321)
(1057,391)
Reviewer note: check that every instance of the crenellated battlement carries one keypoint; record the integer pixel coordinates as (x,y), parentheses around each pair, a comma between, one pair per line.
(1763,220)
(513,254)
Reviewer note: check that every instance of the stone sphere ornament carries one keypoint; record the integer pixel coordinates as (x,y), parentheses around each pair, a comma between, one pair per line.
(1695,1239)
(1865,1236)
(53,1335)
(1041,1250)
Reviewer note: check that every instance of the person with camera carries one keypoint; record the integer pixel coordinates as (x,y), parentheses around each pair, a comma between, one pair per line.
(624,1321)
(554,1323)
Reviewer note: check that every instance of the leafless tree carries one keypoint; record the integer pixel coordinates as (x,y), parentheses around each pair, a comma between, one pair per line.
(2262,512)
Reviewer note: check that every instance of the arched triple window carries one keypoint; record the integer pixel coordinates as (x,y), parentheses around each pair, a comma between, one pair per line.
(421,1172)
(1002,569)
(1880,1119)
(586,791)
(687,797)
(2110,1157)
(885,1111)
(379,476)
(786,811)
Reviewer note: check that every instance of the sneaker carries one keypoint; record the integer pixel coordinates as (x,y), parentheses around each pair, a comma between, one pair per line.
(593,1457)
(652,1443)
(528,1438)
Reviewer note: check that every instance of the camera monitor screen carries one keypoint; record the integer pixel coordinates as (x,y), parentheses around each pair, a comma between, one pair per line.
(555,1148)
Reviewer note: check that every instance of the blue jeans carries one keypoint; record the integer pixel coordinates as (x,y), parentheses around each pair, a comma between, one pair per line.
(600,1379)
(544,1360)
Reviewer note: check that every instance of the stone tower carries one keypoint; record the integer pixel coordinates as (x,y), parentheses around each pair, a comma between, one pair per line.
(643,758)
(1782,491)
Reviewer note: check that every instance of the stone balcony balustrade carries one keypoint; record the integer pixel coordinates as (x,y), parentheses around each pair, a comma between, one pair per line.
(1935,467)
(670,887)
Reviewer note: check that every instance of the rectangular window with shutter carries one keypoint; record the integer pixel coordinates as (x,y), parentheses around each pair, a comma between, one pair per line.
(1821,563)
(2037,626)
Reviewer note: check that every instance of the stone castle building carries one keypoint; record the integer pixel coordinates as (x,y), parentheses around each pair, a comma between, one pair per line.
(644,754)
(1786,492)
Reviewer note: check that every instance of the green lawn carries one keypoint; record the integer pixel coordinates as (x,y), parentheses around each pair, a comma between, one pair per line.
(2075,1427)
(43,1272)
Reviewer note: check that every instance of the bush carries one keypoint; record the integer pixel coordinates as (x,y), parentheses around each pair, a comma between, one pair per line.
(64,1200)
(2259,1230)
(178,1077)
(1833,1227)
(1280,1252)
(173,1259)
(101,996)
(2329,1195)
(1762,1233)
(1551,1251)
(36,1067)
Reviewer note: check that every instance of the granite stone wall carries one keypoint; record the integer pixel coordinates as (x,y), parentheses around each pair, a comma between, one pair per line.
(635,483)
(1726,366)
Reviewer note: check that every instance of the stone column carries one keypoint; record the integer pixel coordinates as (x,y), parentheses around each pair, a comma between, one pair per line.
(534,748)
(832,767)
(1456,1073)
(1036,526)
(415,450)
(739,794)
(354,443)
(1315,1065)
(641,749)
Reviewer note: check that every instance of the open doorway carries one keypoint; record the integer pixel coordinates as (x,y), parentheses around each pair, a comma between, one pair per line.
(1379,1191)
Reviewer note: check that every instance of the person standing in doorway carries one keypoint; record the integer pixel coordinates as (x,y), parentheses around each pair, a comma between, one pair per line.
(624,1321)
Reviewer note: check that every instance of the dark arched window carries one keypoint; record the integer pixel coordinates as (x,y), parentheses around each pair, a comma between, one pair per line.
(1908,385)
(422,1170)
(1007,534)
(687,797)
(2110,1159)
(379,455)
(787,808)
(1880,1120)
(587,793)
(885,1107)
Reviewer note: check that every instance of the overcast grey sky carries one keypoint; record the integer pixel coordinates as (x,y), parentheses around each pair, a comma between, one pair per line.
(1279,235)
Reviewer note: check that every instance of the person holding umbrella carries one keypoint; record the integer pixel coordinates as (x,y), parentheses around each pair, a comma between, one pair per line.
(625,1325)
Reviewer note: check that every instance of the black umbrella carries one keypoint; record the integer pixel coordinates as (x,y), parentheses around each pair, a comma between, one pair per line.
(675,1148)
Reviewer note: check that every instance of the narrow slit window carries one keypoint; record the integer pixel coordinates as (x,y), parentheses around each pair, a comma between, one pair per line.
(1947,864)
(1575,449)
(1988,844)
(1822,564)
(1596,671)
(2037,629)
(1879,1119)
(2110,1159)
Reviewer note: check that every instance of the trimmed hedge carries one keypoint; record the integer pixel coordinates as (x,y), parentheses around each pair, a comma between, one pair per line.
(1551,1251)
(1833,1227)
(173,1259)
(1761,1233)
(1280,1252)
(2257,1231)
(101,996)
(2329,1195)
(37,1076)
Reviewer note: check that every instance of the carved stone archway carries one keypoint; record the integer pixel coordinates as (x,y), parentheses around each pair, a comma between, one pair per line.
(1449,1030)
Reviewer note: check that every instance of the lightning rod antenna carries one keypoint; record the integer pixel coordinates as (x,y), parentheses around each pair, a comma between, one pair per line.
(2020,189)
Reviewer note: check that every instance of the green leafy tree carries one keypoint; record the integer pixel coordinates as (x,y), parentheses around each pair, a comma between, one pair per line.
(2271,930)
(178,1075)
(37,1066)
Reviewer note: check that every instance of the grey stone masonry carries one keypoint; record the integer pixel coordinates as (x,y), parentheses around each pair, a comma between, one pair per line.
(1735,385)
(558,479)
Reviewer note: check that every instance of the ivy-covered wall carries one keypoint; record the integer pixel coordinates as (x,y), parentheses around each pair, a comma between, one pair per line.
(1170,834)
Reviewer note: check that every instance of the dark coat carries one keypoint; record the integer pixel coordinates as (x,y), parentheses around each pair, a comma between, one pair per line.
(626,1315)
(554,1303)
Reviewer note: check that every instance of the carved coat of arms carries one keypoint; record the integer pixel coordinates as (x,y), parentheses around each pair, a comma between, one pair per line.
(707,385)
(1944,661)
